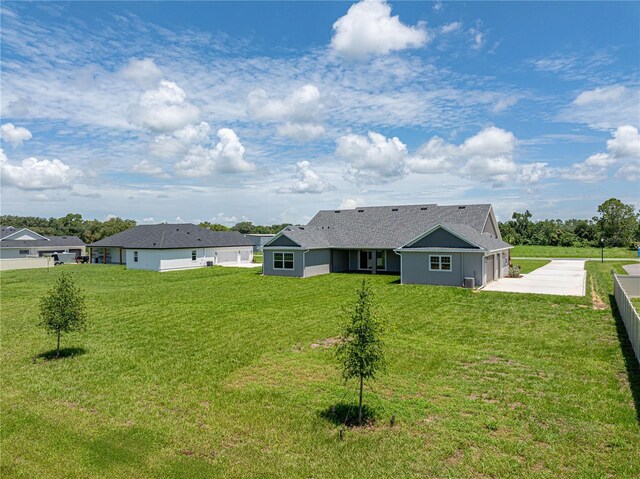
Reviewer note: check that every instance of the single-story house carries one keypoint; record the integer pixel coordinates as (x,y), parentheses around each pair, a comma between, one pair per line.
(23,242)
(167,247)
(258,240)
(425,244)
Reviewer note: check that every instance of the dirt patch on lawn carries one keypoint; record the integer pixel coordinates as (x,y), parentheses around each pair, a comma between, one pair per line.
(325,343)
(596,301)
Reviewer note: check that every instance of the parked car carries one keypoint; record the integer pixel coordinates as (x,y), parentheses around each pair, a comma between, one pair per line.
(62,258)
(82,259)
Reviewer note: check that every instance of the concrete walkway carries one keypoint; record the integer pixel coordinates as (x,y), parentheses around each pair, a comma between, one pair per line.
(632,268)
(565,277)
(240,265)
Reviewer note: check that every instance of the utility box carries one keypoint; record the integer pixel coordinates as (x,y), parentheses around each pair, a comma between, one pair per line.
(470,283)
(209,263)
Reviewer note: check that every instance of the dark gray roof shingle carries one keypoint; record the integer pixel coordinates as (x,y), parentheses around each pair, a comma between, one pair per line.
(169,236)
(390,227)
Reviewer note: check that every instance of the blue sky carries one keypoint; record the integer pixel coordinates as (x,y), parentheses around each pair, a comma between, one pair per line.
(270,111)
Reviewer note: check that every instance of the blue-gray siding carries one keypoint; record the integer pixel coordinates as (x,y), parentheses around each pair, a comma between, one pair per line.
(441,238)
(317,262)
(267,264)
(415,269)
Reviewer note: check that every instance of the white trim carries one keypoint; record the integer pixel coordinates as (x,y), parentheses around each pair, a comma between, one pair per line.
(8,237)
(278,235)
(439,250)
(440,256)
(293,261)
(491,215)
(428,232)
(374,259)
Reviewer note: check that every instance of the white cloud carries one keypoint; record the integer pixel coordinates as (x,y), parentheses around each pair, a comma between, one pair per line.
(486,156)
(163,109)
(625,142)
(227,156)
(477,38)
(630,172)
(605,108)
(142,72)
(301,131)
(303,104)
(503,103)
(147,168)
(451,27)
(14,135)
(368,29)
(307,181)
(180,141)
(372,158)
(623,148)
(350,203)
(34,174)
(148,219)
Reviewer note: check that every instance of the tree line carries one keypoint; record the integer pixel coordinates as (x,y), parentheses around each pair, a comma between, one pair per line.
(90,231)
(69,225)
(616,223)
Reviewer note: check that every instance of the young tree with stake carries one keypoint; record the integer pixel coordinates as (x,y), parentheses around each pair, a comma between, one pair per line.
(360,350)
(63,309)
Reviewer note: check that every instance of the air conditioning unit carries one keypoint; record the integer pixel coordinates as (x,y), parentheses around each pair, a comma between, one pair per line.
(209,263)
(470,283)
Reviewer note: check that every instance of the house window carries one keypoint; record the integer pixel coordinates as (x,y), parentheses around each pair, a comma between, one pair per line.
(135,256)
(24,251)
(439,263)
(193,255)
(282,260)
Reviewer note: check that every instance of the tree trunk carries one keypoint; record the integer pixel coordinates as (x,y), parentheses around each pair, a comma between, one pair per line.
(58,347)
(360,403)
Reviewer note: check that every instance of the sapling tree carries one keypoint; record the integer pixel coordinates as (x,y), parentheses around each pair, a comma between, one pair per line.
(360,351)
(63,309)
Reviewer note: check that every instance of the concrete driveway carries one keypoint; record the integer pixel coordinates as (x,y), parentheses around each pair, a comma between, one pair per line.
(565,277)
(632,269)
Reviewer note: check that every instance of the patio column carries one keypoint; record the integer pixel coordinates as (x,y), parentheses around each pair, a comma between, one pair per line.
(374,266)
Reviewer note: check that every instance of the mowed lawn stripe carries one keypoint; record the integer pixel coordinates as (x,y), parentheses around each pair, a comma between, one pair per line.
(212,373)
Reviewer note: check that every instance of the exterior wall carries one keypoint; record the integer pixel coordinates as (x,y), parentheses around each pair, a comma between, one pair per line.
(339,260)
(113,255)
(317,261)
(490,227)
(415,269)
(440,238)
(258,241)
(178,259)
(25,263)
(284,241)
(267,263)
(393,262)
(12,253)
(15,252)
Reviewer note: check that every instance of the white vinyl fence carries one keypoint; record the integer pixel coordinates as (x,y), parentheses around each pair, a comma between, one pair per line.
(25,263)
(624,288)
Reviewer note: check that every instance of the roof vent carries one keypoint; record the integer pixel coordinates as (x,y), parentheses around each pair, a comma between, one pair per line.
(177,229)
(461,207)
(154,244)
(199,239)
(302,227)
(394,209)
(424,208)
(337,211)
(360,211)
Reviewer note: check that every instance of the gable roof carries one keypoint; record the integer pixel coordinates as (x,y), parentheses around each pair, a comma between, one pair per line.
(170,236)
(50,241)
(474,237)
(391,227)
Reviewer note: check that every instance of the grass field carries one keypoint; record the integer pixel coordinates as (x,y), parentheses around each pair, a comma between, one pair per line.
(221,372)
(529,265)
(257,257)
(570,252)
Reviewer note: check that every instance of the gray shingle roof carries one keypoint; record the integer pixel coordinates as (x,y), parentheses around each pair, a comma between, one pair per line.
(390,227)
(52,241)
(168,236)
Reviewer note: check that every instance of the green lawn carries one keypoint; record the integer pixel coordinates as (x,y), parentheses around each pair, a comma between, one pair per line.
(570,252)
(220,372)
(529,265)
(257,257)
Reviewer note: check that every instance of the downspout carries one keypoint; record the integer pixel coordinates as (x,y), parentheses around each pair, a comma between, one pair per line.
(401,268)
(462,266)
(304,263)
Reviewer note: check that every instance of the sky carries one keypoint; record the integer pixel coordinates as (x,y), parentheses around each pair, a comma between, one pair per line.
(271,111)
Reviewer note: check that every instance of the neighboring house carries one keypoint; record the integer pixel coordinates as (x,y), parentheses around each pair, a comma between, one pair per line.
(258,240)
(424,244)
(167,247)
(22,242)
